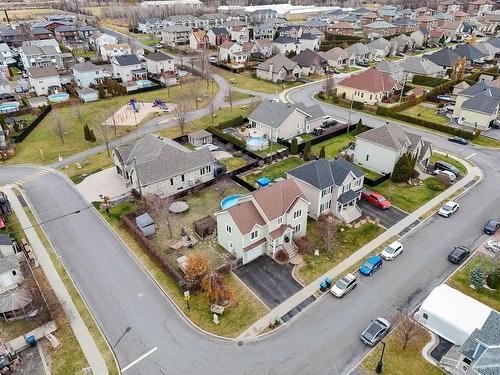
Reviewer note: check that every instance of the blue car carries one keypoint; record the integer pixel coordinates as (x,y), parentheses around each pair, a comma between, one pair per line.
(371,265)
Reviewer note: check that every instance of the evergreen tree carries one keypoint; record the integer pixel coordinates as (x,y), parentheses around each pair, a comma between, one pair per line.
(294,148)
(86,132)
(322,153)
(476,277)
(403,168)
(307,150)
(92,137)
(102,92)
(359,127)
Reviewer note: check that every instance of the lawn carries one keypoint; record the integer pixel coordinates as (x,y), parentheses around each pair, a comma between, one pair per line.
(486,141)
(438,156)
(44,140)
(461,281)
(233,163)
(369,174)
(90,165)
(334,145)
(273,171)
(349,69)
(346,243)
(80,52)
(237,96)
(408,197)
(427,114)
(402,362)
(235,319)
(275,147)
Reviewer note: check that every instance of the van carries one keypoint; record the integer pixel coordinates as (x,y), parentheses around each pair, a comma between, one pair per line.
(444,166)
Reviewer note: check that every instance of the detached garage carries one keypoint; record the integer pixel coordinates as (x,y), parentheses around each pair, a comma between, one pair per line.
(452,314)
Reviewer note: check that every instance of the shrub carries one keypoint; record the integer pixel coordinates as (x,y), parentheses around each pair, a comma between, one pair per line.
(322,152)
(233,122)
(357,105)
(281,256)
(307,150)
(402,169)
(294,148)
(92,137)
(321,95)
(428,81)
(493,279)
(303,244)
(335,99)
(476,277)
(434,184)
(196,266)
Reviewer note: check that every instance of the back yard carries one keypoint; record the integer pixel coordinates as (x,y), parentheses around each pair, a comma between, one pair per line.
(334,145)
(273,171)
(426,113)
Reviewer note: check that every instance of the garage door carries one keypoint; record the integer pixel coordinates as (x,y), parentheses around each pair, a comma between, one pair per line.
(254,253)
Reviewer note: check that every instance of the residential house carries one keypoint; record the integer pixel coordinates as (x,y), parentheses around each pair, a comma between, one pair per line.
(388,12)
(405,25)
(420,37)
(341,28)
(454,29)
(360,52)
(186,20)
(309,41)
(175,35)
(40,33)
(313,23)
(34,56)
(426,22)
(369,86)
(471,53)
(251,49)
(159,63)
(211,20)
(352,20)
(264,31)
(44,79)
(264,47)
(421,66)
(239,34)
(146,165)
(379,28)
(381,47)
(438,37)
(424,11)
(393,69)
(278,69)
(100,40)
(198,40)
(460,15)
(4,68)
(13,37)
(5,87)
(128,68)
(278,120)
(233,53)
(360,12)
(379,149)
(449,6)
(480,7)
(336,57)
(310,63)
(151,26)
(11,275)
(285,45)
(444,57)
(404,43)
(264,222)
(218,35)
(489,51)
(442,18)
(108,51)
(262,15)
(67,34)
(369,18)
(87,74)
(7,54)
(331,186)
(6,245)
(86,32)
(477,106)
(291,31)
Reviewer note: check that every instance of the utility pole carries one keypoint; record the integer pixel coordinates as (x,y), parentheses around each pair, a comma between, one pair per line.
(137,175)
(402,90)
(350,112)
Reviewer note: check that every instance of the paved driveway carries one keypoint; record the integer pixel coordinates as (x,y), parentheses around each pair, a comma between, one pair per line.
(106,182)
(387,217)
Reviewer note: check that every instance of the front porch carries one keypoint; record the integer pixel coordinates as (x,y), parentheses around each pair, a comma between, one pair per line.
(282,239)
(347,209)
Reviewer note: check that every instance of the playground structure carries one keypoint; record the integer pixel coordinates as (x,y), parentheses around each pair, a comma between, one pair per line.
(135,111)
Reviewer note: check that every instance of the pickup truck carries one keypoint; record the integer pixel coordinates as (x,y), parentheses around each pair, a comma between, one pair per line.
(376,199)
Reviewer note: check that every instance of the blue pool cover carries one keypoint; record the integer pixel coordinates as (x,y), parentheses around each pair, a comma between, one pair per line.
(263,181)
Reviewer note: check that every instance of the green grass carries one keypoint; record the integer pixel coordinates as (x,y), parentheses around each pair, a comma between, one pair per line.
(274,171)
(44,137)
(14,71)
(461,281)
(369,174)
(333,145)
(275,147)
(80,52)
(486,141)
(346,243)
(349,69)
(437,156)
(407,197)
(428,114)
(402,362)
(237,96)
(233,163)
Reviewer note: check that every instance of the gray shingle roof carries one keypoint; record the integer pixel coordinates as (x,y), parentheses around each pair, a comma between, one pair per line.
(43,71)
(278,61)
(380,43)
(5,239)
(489,334)
(482,102)
(489,362)
(391,136)
(8,263)
(444,57)
(357,48)
(389,67)
(309,58)
(347,197)
(158,56)
(419,65)
(468,51)
(273,114)
(127,60)
(284,40)
(86,67)
(324,173)
(480,88)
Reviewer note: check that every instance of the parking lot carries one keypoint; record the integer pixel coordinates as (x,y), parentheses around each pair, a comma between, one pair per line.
(387,217)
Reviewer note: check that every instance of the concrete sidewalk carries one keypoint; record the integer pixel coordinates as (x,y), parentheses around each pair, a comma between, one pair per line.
(82,334)
(340,268)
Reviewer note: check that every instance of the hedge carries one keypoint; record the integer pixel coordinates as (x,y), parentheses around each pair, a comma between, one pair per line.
(235,121)
(357,105)
(229,138)
(428,81)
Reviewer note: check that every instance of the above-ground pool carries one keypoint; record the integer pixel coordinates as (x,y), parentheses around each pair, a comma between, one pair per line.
(257,143)
(230,201)
(144,83)
(9,107)
(59,97)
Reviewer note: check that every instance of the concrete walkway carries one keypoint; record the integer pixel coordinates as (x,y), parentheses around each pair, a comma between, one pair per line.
(82,334)
(340,268)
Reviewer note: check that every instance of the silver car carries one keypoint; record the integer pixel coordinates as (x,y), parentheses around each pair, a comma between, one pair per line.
(376,331)
(344,285)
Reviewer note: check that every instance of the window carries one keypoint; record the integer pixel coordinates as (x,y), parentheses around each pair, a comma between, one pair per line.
(14,273)
(425,316)
(182,178)
(230,244)
(171,182)
(229,229)
(254,234)
(326,191)
(280,220)
(297,214)
(296,229)
(371,96)
(367,157)
(480,348)
(325,206)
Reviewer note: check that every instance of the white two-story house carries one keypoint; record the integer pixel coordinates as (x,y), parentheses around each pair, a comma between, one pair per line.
(331,186)
(264,222)
(128,68)
(44,79)
(87,74)
(159,62)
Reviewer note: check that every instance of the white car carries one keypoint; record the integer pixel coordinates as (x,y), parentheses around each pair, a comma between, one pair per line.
(493,245)
(448,209)
(450,175)
(392,251)
(344,285)
(212,59)
(159,45)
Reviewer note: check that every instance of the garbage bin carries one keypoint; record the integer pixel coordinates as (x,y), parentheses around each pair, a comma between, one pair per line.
(328,282)
(31,341)
(322,286)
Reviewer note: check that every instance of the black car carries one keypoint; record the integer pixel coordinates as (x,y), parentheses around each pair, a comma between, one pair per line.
(491,226)
(458,140)
(328,123)
(458,254)
(364,64)
(318,131)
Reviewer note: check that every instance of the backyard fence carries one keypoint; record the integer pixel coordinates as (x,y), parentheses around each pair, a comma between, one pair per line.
(20,137)
(368,181)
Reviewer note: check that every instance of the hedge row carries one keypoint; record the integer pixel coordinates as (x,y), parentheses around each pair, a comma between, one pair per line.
(428,81)
(232,122)
(229,138)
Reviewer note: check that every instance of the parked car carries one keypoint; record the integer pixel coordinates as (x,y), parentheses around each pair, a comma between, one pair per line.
(336,71)
(493,245)
(376,199)
(371,265)
(458,254)
(459,140)
(376,331)
(6,96)
(318,131)
(448,209)
(392,251)
(491,226)
(364,64)
(159,45)
(344,285)
(329,123)
(212,59)
(451,176)
(444,166)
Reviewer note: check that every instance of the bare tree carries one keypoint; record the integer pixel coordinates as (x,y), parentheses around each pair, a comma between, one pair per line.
(194,90)
(58,126)
(103,130)
(180,113)
(229,95)
(328,230)
(222,185)
(329,85)
(211,105)
(78,112)
(158,208)
(406,328)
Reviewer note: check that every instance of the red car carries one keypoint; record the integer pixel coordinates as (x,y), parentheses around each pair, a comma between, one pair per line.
(377,199)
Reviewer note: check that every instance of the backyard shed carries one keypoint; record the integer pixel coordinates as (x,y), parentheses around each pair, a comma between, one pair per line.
(146,224)
(200,137)
(205,227)
(38,101)
(88,95)
(452,314)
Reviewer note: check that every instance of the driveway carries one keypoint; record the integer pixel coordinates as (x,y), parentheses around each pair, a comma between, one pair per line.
(106,182)
(387,217)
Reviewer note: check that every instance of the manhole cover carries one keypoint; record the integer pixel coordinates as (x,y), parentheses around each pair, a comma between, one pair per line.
(240,343)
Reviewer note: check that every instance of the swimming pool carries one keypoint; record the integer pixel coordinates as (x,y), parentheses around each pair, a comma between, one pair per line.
(9,107)
(229,201)
(144,83)
(257,143)
(59,97)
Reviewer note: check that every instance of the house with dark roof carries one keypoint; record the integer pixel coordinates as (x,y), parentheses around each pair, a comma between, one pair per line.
(380,148)
(160,166)
(285,45)
(87,74)
(218,35)
(471,53)
(274,120)
(279,69)
(310,62)
(159,63)
(310,41)
(444,57)
(264,222)
(477,106)
(44,79)
(330,186)
(128,68)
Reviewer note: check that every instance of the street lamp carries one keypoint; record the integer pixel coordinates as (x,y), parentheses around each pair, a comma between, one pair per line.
(378,370)
(127,330)
(350,112)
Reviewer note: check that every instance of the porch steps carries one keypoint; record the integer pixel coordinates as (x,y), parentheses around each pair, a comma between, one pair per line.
(291,249)
(350,214)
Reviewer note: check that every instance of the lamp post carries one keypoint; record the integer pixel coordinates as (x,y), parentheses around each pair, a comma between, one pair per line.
(402,90)
(350,112)
(378,370)
(127,330)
